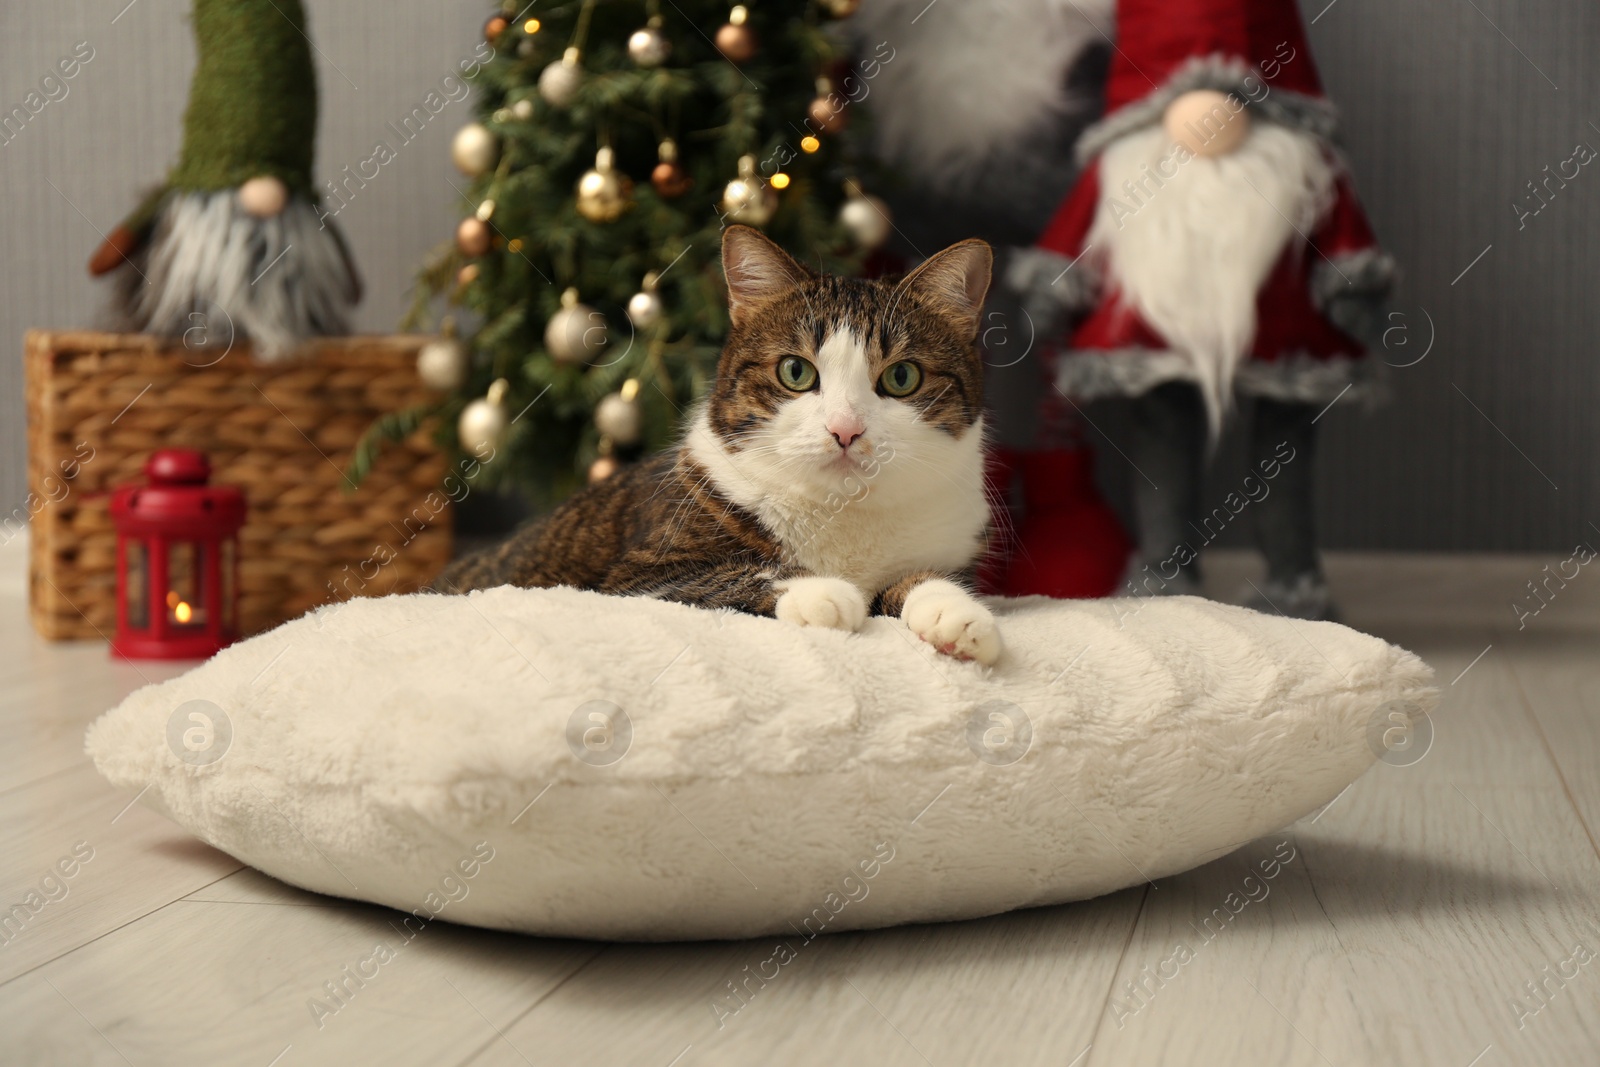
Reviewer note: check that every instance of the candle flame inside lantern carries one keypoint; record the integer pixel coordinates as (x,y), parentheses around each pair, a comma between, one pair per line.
(182,611)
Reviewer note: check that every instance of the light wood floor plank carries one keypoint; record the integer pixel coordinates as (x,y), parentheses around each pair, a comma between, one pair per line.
(50,691)
(1024,988)
(250,886)
(1417,905)
(1558,674)
(138,862)
(227,983)
(43,719)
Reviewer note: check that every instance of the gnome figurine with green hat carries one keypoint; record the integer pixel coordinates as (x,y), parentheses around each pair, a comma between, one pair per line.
(234,231)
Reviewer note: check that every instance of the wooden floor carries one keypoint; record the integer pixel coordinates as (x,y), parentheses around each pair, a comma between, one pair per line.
(1444,913)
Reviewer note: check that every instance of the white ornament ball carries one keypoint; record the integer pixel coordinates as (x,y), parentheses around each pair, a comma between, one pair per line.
(619,419)
(264,197)
(866,219)
(1207,122)
(522,110)
(485,423)
(644,309)
(474,149)
(576,333)
(442,364)
(559,82)
(649,47)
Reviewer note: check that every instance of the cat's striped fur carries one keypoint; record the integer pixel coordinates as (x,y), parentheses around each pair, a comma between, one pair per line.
(816,505)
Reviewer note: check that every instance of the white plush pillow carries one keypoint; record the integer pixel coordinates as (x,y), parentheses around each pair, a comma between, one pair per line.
(745,776)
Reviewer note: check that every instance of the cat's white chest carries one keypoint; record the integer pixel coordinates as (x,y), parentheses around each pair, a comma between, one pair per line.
(871,544)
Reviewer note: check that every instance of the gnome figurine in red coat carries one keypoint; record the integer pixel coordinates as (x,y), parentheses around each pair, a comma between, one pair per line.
(1212,247)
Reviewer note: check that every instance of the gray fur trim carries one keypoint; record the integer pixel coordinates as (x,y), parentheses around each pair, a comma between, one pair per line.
(1299,378)
(1219,72)
(1353,291)
(1050,287)
(1367,272)
(213,267)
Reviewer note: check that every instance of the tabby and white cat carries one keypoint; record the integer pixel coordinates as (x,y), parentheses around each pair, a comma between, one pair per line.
(836,467)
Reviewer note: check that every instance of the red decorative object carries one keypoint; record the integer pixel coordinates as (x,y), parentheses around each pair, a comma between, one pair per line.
(1067,541)
(177,560)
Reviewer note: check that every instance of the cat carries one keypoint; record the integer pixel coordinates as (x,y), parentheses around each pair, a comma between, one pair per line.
(835,468)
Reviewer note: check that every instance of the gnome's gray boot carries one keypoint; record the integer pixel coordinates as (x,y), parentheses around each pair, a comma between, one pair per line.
(1283,440)
(1167,446)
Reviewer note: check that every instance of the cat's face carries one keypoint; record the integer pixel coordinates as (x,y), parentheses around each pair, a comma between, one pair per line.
(826,383)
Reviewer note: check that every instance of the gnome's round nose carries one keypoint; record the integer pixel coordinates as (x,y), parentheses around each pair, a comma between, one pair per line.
(1207,122)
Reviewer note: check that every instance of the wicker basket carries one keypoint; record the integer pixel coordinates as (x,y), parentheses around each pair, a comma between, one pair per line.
(99,404)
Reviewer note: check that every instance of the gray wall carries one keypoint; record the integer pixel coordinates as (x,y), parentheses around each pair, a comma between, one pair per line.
(1447,120)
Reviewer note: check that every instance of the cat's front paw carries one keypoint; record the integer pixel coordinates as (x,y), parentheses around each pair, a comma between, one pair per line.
(830,602)
(953,621)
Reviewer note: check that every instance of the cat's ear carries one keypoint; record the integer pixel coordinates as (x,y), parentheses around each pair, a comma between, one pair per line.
(757,270)
(955,280)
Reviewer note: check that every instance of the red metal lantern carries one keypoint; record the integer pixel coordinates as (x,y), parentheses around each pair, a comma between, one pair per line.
(177,560)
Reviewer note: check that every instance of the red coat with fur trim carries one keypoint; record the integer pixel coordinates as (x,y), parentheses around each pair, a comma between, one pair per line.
(1290,321)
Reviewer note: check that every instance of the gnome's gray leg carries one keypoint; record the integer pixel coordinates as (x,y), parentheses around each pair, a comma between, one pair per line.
(1168,445)
(1285,522)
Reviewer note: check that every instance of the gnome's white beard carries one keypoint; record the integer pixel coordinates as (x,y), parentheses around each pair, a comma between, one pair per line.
(212,272)
(1190,254)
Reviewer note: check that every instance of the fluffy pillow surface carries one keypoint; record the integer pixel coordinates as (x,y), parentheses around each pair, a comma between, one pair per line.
(564,763)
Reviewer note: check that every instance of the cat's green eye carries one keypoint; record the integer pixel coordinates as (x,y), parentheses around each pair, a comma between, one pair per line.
(797,373)
(901,379)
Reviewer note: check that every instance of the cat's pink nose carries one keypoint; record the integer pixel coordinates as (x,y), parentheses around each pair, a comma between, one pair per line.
(845,430)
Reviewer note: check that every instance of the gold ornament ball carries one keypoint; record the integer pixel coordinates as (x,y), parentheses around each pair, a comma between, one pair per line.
(749,200)
(485,422)
(559,82)
(495,27)
(602,468)
(1207,122)
(620,419)
(649,47)
(841,9)
(474,149)
(442,364)
(603,194)
(866,219)
(467,274)
(576,333)
(826,117)
(474,237)
(522,110)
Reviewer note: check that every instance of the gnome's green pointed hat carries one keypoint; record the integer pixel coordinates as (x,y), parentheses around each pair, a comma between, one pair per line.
(253,102)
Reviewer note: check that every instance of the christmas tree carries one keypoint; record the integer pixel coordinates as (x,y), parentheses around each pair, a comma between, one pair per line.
(615,140)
